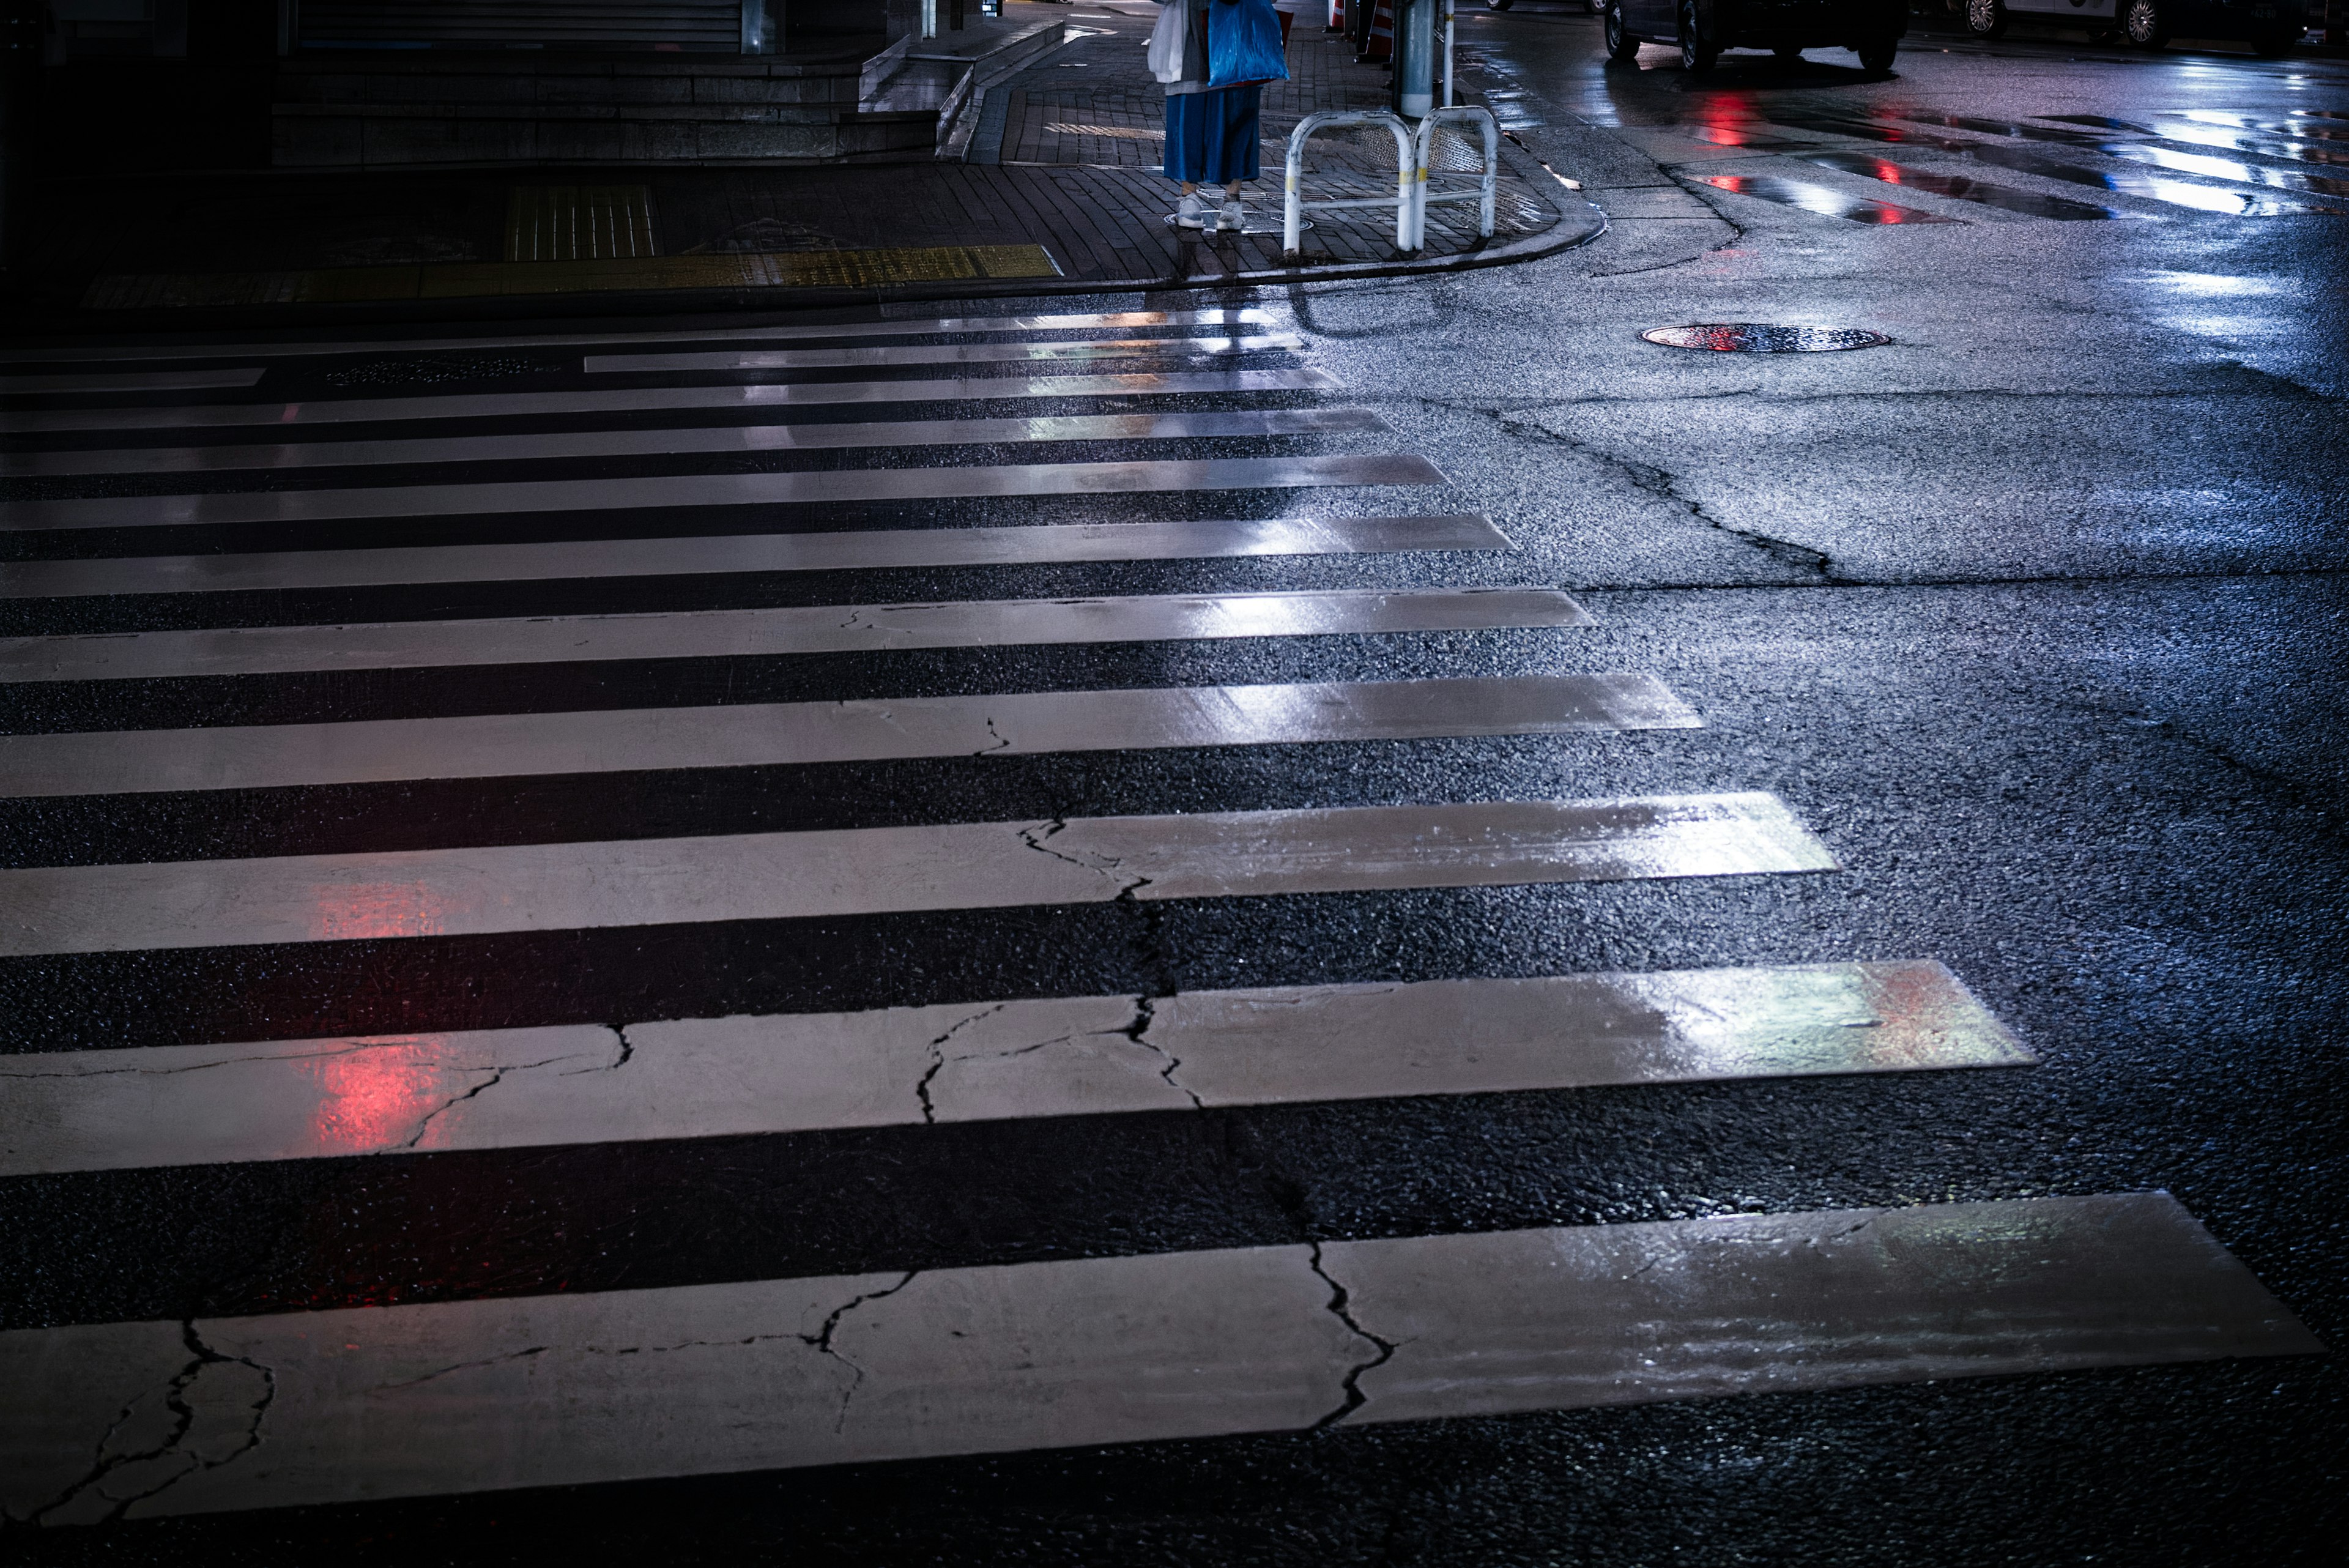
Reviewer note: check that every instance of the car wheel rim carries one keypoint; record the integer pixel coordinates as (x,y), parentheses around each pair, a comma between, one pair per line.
(1981,15)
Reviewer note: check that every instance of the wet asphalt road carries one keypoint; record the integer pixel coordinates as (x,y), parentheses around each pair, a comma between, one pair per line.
(2034,615)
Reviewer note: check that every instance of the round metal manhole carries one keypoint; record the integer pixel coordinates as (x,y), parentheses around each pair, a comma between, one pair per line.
(1753,338)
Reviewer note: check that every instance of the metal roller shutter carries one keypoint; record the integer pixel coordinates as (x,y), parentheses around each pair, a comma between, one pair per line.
(701,25)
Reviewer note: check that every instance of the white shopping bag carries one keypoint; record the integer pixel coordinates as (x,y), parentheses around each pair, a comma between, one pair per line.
(1170,40)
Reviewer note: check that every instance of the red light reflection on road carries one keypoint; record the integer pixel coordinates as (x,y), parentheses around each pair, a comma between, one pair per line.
(353,912)
(376,1097)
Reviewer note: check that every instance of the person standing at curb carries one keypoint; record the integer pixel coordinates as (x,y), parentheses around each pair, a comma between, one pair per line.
(1213,60)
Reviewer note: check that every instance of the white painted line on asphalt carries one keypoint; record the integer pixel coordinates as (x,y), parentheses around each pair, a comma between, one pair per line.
(1159,539)
(932,354)
(799,628)
(656,399)
(668,441)
(877,870)
(506,745)
(132,381)
(801,488)
(1094,1055)
(306,1407)
(394,347)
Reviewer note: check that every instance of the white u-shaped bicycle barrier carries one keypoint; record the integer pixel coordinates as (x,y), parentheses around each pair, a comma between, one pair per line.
(1413,151)
(1486,188)
(1293,207)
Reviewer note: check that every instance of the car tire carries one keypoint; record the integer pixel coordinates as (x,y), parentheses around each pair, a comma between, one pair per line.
(1696,54)
(1876,58)
(1498,5)
(1620,45)
(1787,55)
(2146,24)
(1986,18)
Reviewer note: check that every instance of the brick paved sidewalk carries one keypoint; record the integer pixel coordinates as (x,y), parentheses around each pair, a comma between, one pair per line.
(1062,193)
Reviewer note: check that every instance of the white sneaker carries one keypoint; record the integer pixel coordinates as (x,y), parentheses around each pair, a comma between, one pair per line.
(1232,219)
(1193,212)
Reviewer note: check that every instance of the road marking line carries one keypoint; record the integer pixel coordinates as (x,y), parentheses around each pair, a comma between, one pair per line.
(796,488)
(667,441)
(649,399)
(510,745)
(130,381)
(877,870)
(565,1390)
(76,355)
(1159,539)
(932,354)
(797,628)
(1091,1055)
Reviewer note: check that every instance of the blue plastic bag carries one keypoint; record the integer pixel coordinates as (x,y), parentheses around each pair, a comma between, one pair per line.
(1244,44)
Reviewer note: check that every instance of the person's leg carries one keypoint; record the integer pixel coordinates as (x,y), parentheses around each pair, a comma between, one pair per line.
(1186,136)
(1236,162)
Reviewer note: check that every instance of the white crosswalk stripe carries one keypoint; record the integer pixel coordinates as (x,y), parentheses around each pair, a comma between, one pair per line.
(870,870)
(823,629)
(494,791)
(301,1099)
(728,439)
(841,550)
(506,745)
(656,400)
(409,1400)
(793,488)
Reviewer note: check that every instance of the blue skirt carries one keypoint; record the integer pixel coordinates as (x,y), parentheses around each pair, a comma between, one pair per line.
(1211,137)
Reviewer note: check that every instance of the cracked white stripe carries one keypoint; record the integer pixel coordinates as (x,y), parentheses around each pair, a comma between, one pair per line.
(558,1390)
(195,1104)
(878,871)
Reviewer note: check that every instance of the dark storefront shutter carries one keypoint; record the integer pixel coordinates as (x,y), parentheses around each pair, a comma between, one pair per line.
(714,25)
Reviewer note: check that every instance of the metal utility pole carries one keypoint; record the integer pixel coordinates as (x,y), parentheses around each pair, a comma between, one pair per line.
(1414,77)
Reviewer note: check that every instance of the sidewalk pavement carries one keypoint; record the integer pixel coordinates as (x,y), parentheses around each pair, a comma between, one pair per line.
(1061,194)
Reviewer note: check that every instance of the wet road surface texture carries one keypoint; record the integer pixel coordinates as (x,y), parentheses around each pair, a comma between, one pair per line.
(1374,924)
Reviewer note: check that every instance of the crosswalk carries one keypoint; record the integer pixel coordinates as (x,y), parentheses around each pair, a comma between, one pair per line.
(498,773)
(2165,160)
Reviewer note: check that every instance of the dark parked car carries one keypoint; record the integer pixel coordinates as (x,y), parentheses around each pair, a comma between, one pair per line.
(1871,29)
(2271,26)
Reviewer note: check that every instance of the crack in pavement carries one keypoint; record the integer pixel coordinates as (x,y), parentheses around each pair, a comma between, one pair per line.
(1340,1306)
(1137,1029)
(822,1341)
(1660,482)
(1107,866)
(939,1060)
(523,1355)
(496,1075)
(181,1449)
(204,1066)
(627,1052)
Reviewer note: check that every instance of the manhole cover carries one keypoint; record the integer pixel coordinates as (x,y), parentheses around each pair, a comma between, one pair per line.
(1751,338)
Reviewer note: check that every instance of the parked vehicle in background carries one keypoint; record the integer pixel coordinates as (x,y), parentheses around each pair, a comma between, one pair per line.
(1872,29)
(2271,26)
